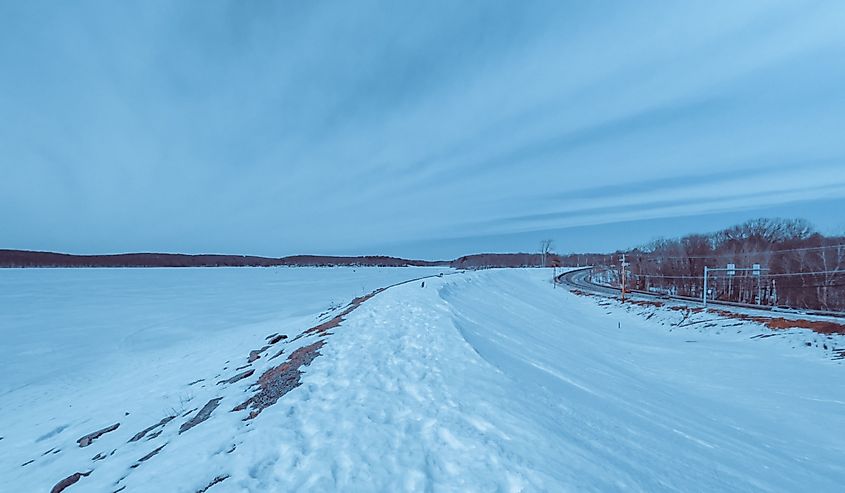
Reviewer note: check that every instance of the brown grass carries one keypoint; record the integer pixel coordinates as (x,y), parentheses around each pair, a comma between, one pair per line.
(780,323)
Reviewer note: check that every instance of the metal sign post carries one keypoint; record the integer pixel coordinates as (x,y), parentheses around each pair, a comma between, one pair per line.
(730,270)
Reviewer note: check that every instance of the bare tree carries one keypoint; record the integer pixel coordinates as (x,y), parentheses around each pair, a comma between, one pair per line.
(545,249)
(800,268)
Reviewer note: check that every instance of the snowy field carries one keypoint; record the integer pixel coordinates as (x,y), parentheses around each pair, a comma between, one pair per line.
(484,381)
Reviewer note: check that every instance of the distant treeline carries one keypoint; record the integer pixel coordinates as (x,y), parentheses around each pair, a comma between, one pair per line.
(24,258)
(800,268)
(493,260)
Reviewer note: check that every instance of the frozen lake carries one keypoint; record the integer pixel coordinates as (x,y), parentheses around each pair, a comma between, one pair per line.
(61,325)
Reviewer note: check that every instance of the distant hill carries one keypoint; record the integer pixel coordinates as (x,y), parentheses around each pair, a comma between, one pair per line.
(27,258)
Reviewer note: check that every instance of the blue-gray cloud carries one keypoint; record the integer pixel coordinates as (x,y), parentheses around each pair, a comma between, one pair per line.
(283,127)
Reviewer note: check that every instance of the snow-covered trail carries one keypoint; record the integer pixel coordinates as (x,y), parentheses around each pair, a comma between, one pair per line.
(495,381)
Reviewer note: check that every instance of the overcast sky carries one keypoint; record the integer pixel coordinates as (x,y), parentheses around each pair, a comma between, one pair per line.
(423,129)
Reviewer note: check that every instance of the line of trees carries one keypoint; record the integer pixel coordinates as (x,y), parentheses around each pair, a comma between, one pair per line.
(800,267)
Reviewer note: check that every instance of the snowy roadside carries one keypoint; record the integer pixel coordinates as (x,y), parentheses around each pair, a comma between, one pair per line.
(825,334)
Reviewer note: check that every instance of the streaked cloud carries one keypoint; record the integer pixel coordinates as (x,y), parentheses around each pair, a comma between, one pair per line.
(285,127)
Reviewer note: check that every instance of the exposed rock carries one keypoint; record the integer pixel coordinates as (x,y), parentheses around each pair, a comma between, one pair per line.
(73,478)
(201,416)
(239,376)
(256,353)
(147,457)
(216,480)
(278,338)
(281,351)
(143,432)
(87,439)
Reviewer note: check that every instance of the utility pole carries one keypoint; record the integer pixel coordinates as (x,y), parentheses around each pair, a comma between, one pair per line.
(622,275)
(705,286)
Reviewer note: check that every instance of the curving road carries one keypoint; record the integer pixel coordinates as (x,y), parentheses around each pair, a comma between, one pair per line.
(579,279)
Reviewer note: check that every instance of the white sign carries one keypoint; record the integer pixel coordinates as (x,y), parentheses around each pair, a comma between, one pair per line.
(755,269)
(731,269)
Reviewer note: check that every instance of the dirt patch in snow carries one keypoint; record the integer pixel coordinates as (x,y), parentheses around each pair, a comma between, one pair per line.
(323,328)
(780,323)
(645,303)
(278,381)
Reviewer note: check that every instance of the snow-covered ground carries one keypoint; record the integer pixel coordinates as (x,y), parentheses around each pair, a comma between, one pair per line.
(483,381)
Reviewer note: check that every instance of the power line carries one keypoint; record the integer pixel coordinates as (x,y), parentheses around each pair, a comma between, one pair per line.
(668,277)
(644,256)
(799,285)
(787,274)
(746,276)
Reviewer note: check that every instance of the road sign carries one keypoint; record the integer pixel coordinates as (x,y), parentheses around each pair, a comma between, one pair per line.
(731,270)
(755,270)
